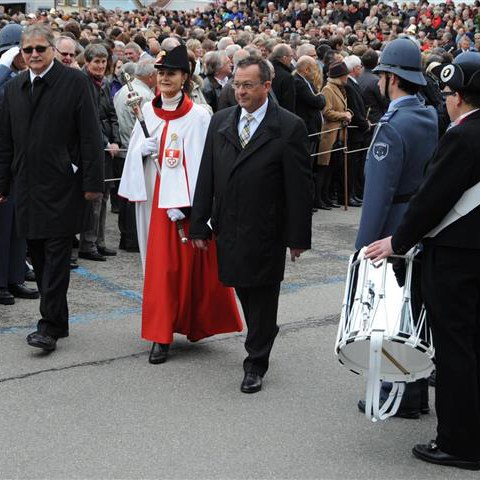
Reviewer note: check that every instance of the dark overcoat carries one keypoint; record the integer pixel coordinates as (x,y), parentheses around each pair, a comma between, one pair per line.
(259,198)
(51,146)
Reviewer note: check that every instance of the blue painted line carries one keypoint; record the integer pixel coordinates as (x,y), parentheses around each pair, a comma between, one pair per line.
(108,284)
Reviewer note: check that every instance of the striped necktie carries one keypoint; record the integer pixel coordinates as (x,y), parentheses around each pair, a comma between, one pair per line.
(245,133)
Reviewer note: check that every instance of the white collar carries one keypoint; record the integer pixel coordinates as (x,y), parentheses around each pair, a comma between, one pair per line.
(258,113)
(41,75)
(466,114)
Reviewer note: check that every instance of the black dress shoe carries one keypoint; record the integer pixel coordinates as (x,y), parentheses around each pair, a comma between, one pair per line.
(95,256)
(323,206)
(432,454)
(410,414)
(106,252)
(20,290)
(44,342)
(30,276)
(331,203)
(73,264)
(6,298)
(158,353)
(252,383)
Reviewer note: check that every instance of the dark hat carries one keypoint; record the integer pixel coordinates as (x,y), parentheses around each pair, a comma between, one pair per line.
(176,59)
(461,75)
(337,69)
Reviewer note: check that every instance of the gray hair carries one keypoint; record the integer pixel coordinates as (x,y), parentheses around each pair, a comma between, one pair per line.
(39,30)
(169,44)
(280,51)
(62,38)
(145,68)
(95,50)
(130,68)
(213,61)
(119,44)
(305,49)
(223,43)
(133,46)
(352,61)
(232,49)
(240,55)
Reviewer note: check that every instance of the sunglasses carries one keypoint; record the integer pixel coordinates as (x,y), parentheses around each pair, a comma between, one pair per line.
(37,48)
(65,54)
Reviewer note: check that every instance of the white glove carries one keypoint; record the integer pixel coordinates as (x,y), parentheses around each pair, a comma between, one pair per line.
(149,147)
(9,56)
(174,214)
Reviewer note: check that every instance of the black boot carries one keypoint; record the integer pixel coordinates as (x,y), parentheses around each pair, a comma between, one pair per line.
(158,353)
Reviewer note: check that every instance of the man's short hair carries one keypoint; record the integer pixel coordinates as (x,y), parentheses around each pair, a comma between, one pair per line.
(352,61)
(133,46)
(370,59)
(281,50)
(62,38)
(95,51)
(170,43)
(304,49)
(130,68)
(265,73)
(39,30)
(213,61)
(145,68)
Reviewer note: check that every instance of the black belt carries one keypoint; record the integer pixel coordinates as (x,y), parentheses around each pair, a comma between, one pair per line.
(402,198)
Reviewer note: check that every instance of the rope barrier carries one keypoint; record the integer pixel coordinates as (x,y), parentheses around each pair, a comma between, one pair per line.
(335,129)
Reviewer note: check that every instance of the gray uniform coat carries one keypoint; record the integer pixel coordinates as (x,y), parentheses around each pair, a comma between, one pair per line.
(259,198)
(44,138)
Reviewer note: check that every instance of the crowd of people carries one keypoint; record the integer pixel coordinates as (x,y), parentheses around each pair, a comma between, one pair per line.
(232,127)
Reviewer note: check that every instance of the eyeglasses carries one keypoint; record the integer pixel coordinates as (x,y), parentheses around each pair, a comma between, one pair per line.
(246,85)
(37,48)
(448,94)
(66,54)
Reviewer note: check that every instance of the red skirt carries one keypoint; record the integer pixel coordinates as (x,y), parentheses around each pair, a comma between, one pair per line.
(182,292)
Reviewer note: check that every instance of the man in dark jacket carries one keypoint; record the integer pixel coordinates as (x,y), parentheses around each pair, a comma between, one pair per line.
(256,174)
(356,135)
(92,242)
(446,217)
(218,68)
(283,85)
(55,158)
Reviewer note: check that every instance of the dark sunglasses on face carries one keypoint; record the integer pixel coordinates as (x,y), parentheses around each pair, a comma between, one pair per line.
(65,54)
(37,48)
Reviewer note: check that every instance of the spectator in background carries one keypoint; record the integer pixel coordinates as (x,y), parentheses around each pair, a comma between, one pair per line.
(283,85)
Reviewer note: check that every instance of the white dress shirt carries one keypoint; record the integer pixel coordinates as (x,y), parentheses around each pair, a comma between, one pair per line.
(258,116)
(41,75)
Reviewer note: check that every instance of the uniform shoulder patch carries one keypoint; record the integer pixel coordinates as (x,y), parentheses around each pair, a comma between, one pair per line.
(380,150)
(388,115)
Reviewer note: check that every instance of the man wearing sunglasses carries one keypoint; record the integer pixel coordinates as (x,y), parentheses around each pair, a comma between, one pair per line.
(51,149)
(65,51)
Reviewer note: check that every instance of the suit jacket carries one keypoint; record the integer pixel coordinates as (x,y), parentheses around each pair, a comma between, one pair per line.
(211,90)
(356,105)
(51,145)
(453,169)
(308,104)
(259,198)
(372,97)
(283,86)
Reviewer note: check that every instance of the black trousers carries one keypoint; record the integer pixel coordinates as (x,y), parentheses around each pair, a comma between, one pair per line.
(260,306)
(13,249)
(451,291)
(127,223)
(51,262)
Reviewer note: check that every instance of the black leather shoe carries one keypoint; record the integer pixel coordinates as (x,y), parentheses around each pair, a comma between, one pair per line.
(401,413)
(106,252)
(432,454)
(331,203)
(95,256)
(44,342)
(323,206)
(30,276)
(73,264)
(252,383)
(6,298)
(20,290)
(158,353)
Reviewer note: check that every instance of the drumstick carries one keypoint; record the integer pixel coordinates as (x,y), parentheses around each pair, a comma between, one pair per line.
(400,367)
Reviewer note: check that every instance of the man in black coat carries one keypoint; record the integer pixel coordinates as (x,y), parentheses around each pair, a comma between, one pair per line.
(356,135)
(445,213)
(51,148)
(282,84)
(255,185)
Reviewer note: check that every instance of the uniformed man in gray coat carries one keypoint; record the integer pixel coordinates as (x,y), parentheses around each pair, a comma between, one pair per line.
(405,139)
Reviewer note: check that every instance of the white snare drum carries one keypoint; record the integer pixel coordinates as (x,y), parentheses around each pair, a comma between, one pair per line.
(378,335)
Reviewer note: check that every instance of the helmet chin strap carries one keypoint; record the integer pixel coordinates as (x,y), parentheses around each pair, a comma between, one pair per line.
(387,84)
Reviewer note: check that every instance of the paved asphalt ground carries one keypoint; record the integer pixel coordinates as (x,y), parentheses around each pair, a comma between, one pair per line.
(95,408)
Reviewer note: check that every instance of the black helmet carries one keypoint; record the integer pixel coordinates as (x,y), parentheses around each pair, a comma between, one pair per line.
(403,58)
(10,36)
(463,74)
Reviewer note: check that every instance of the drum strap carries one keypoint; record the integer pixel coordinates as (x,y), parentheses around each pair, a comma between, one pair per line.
(372,401)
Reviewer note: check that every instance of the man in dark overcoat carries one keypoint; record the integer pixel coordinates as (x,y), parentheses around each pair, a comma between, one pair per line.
(51,148)
(255,183)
